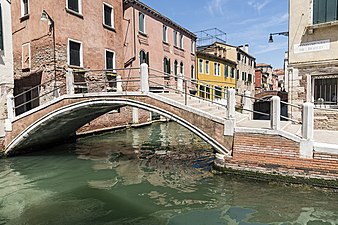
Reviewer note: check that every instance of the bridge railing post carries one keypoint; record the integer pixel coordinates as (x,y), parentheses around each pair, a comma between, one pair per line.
(10,112)
(119,88)
(275,113)
(185,92)
(180,82)
(70,82)
(306,146)
(144,78)
(247,104)
(229,124)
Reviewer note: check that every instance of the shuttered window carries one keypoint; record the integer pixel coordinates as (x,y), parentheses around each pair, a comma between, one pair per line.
(73,5)
(108,15)
(74,53)
(141,22)
(324,11)
(110,60)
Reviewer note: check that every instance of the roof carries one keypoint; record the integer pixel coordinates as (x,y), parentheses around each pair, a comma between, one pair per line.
(263,65)
(140,4)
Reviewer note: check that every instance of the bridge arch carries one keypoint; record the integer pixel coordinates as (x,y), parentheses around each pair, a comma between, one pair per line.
(63,122)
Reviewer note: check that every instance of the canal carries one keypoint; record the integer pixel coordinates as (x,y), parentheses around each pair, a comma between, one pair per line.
(148,176)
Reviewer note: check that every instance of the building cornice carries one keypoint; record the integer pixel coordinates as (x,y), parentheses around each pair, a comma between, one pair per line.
(216,58)
(156,14)
(313,63)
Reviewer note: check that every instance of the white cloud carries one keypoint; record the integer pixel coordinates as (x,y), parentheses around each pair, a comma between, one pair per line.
(215,7)
(262,49)
(258,4)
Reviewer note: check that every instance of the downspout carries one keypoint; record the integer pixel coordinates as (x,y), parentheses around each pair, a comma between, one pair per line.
(134,27)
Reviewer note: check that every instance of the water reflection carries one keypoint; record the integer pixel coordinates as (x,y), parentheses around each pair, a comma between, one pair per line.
(154,175)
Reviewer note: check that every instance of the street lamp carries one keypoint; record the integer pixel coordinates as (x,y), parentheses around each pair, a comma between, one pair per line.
(46,17)
(280,33)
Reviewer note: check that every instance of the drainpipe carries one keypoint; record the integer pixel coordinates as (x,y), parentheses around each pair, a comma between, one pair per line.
(134,27)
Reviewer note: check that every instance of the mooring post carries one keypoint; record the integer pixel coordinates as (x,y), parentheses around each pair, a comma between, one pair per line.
(306,146)
(144,78)
(275,113)
(119,88)
(247,104)
(70,82)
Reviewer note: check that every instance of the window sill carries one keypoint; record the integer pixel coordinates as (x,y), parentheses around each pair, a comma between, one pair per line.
(322,25)
(142,34)
(109,27)
(24,17)
(178,48)
(76,68)
(165,43)
(74,13)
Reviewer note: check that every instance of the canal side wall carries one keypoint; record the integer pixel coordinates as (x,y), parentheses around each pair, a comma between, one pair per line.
(277,155)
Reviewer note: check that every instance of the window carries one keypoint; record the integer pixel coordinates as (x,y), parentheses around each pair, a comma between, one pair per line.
(165,28)
(75,53)
(202,91)
(226,72)
(141,24)
(175,38)
(24,7)
(207,67)
(237,74)
(192,47)
(108,15)
(181,68)
(250,78)
(200,65)
(325,90)
(74,5)
(238,56)
(218,92)
(1,32)
(144,57)
(110,60)
(192,72)
(181,41)
(324,11)
(166,68)
(232,72)
(217,67)
(175,68)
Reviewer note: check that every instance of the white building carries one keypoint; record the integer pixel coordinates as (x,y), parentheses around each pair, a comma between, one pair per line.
(6,59)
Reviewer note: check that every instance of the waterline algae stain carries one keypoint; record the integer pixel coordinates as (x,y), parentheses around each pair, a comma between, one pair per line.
(149,176)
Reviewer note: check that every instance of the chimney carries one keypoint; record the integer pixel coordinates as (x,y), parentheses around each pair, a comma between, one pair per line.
(246,48)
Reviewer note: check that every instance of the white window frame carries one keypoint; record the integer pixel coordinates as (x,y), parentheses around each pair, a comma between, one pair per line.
(207,67)
(165,28)
(201,66)
(105,58)
(22,8)
(192,47)
(144,23)
(80,7)
(112,15)
(175,38)
(181,41)
(81,51)
(29,53)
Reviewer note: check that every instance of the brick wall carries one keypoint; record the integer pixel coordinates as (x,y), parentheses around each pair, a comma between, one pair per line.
(326,120)
(278,155)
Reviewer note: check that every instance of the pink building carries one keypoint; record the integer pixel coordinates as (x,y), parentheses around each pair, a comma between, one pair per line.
(158,41)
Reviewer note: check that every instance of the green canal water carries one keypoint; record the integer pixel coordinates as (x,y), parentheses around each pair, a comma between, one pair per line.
(148,176)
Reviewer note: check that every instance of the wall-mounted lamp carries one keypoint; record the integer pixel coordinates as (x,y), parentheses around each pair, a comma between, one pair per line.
(280,33)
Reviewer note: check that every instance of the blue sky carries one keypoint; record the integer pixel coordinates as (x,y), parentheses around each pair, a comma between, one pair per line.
(244,21)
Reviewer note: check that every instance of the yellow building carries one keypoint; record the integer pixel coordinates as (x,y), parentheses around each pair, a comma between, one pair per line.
(215,73)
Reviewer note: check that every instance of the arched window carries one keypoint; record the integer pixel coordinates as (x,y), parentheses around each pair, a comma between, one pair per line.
(192,73)
(175,68)
(144,57)
(181,68)
(166,68)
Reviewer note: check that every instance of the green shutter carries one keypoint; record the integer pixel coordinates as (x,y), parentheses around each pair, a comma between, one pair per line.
(331,10)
